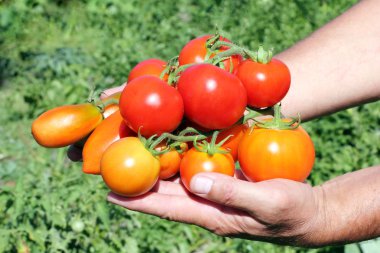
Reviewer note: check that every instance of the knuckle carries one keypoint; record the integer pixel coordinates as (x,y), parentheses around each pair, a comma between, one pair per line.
(281,201)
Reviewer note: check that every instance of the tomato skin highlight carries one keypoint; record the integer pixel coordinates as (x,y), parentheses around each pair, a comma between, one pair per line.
(150,67)
(266,84)
(269,153)
(129,169)
(150,103)
(195,51)
(65,125)
(195,162)
(110,130)
(212,97)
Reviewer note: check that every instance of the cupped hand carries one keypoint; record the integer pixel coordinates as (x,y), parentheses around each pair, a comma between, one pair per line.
(280,211)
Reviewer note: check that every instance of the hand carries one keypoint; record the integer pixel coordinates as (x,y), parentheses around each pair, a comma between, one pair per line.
(74,153)
(279,211)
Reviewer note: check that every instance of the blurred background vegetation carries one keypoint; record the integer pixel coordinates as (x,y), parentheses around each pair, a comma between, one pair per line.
(52,51)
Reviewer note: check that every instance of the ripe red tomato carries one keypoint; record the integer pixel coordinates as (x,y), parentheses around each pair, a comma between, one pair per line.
(195,162)
(65,125)
(266,84)
(110,130)
(270,153)
(150,103)
(150,67)
(195,51)
(128,168)
(213,98)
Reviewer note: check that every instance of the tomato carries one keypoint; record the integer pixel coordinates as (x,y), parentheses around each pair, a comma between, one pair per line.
(213,98)
(270,153)
(66,124)
(150,103)
(232,144)
(128,168)
(266,84)
(111,108)
(195,51)
(170,161)
(110,130)
(150,67)
(195,162)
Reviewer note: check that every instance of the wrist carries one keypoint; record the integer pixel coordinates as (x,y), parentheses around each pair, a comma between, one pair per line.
(318,230)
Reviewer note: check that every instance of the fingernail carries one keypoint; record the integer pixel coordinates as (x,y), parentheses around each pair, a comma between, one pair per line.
(201,185)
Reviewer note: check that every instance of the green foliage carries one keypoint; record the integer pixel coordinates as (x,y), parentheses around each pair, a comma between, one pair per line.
(52,52)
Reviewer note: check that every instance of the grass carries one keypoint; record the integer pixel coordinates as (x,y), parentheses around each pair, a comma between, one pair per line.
(51,52)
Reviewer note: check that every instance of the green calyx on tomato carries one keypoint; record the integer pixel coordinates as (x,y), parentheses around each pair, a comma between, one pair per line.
(277,122)
(212,147)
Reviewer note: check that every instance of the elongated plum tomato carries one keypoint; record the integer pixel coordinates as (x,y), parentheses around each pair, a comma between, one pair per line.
(195,51)
(129,169)
(110,130)
(65,125)
(266,84)
(111,108)
(170,161)
(270,153)
(149,67)
(195,162)
(213,98)
(150,103)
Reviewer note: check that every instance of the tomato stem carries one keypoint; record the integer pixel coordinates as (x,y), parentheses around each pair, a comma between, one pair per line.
(278,122)
(212,148)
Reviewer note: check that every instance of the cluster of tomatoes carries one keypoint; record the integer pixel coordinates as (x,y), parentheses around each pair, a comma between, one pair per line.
(187,115)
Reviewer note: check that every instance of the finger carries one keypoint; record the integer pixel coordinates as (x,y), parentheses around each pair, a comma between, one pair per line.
(232,192)
(170,188)
(74,153)
(111,91)
(171,207)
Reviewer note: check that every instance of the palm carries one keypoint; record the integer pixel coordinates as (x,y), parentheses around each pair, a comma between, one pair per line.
(272,203)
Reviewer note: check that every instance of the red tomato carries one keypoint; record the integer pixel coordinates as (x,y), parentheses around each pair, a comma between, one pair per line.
(266,84)
(213,98)
(110,130)
(150,103)
(195,162)
(269,153)
(195,51)
(149,67)
(65,125)
(129,169)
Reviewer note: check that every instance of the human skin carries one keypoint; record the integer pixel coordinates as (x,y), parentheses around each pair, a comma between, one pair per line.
(334,68)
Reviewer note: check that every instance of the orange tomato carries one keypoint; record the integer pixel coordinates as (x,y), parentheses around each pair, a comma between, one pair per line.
(65,125)
(232,144)
(111,108)
(170,161)
(110,130)
(195,162)
(149,67)
(270,153)
(128,168)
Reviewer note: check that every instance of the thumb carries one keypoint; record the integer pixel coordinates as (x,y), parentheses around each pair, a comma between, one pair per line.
(228,191)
